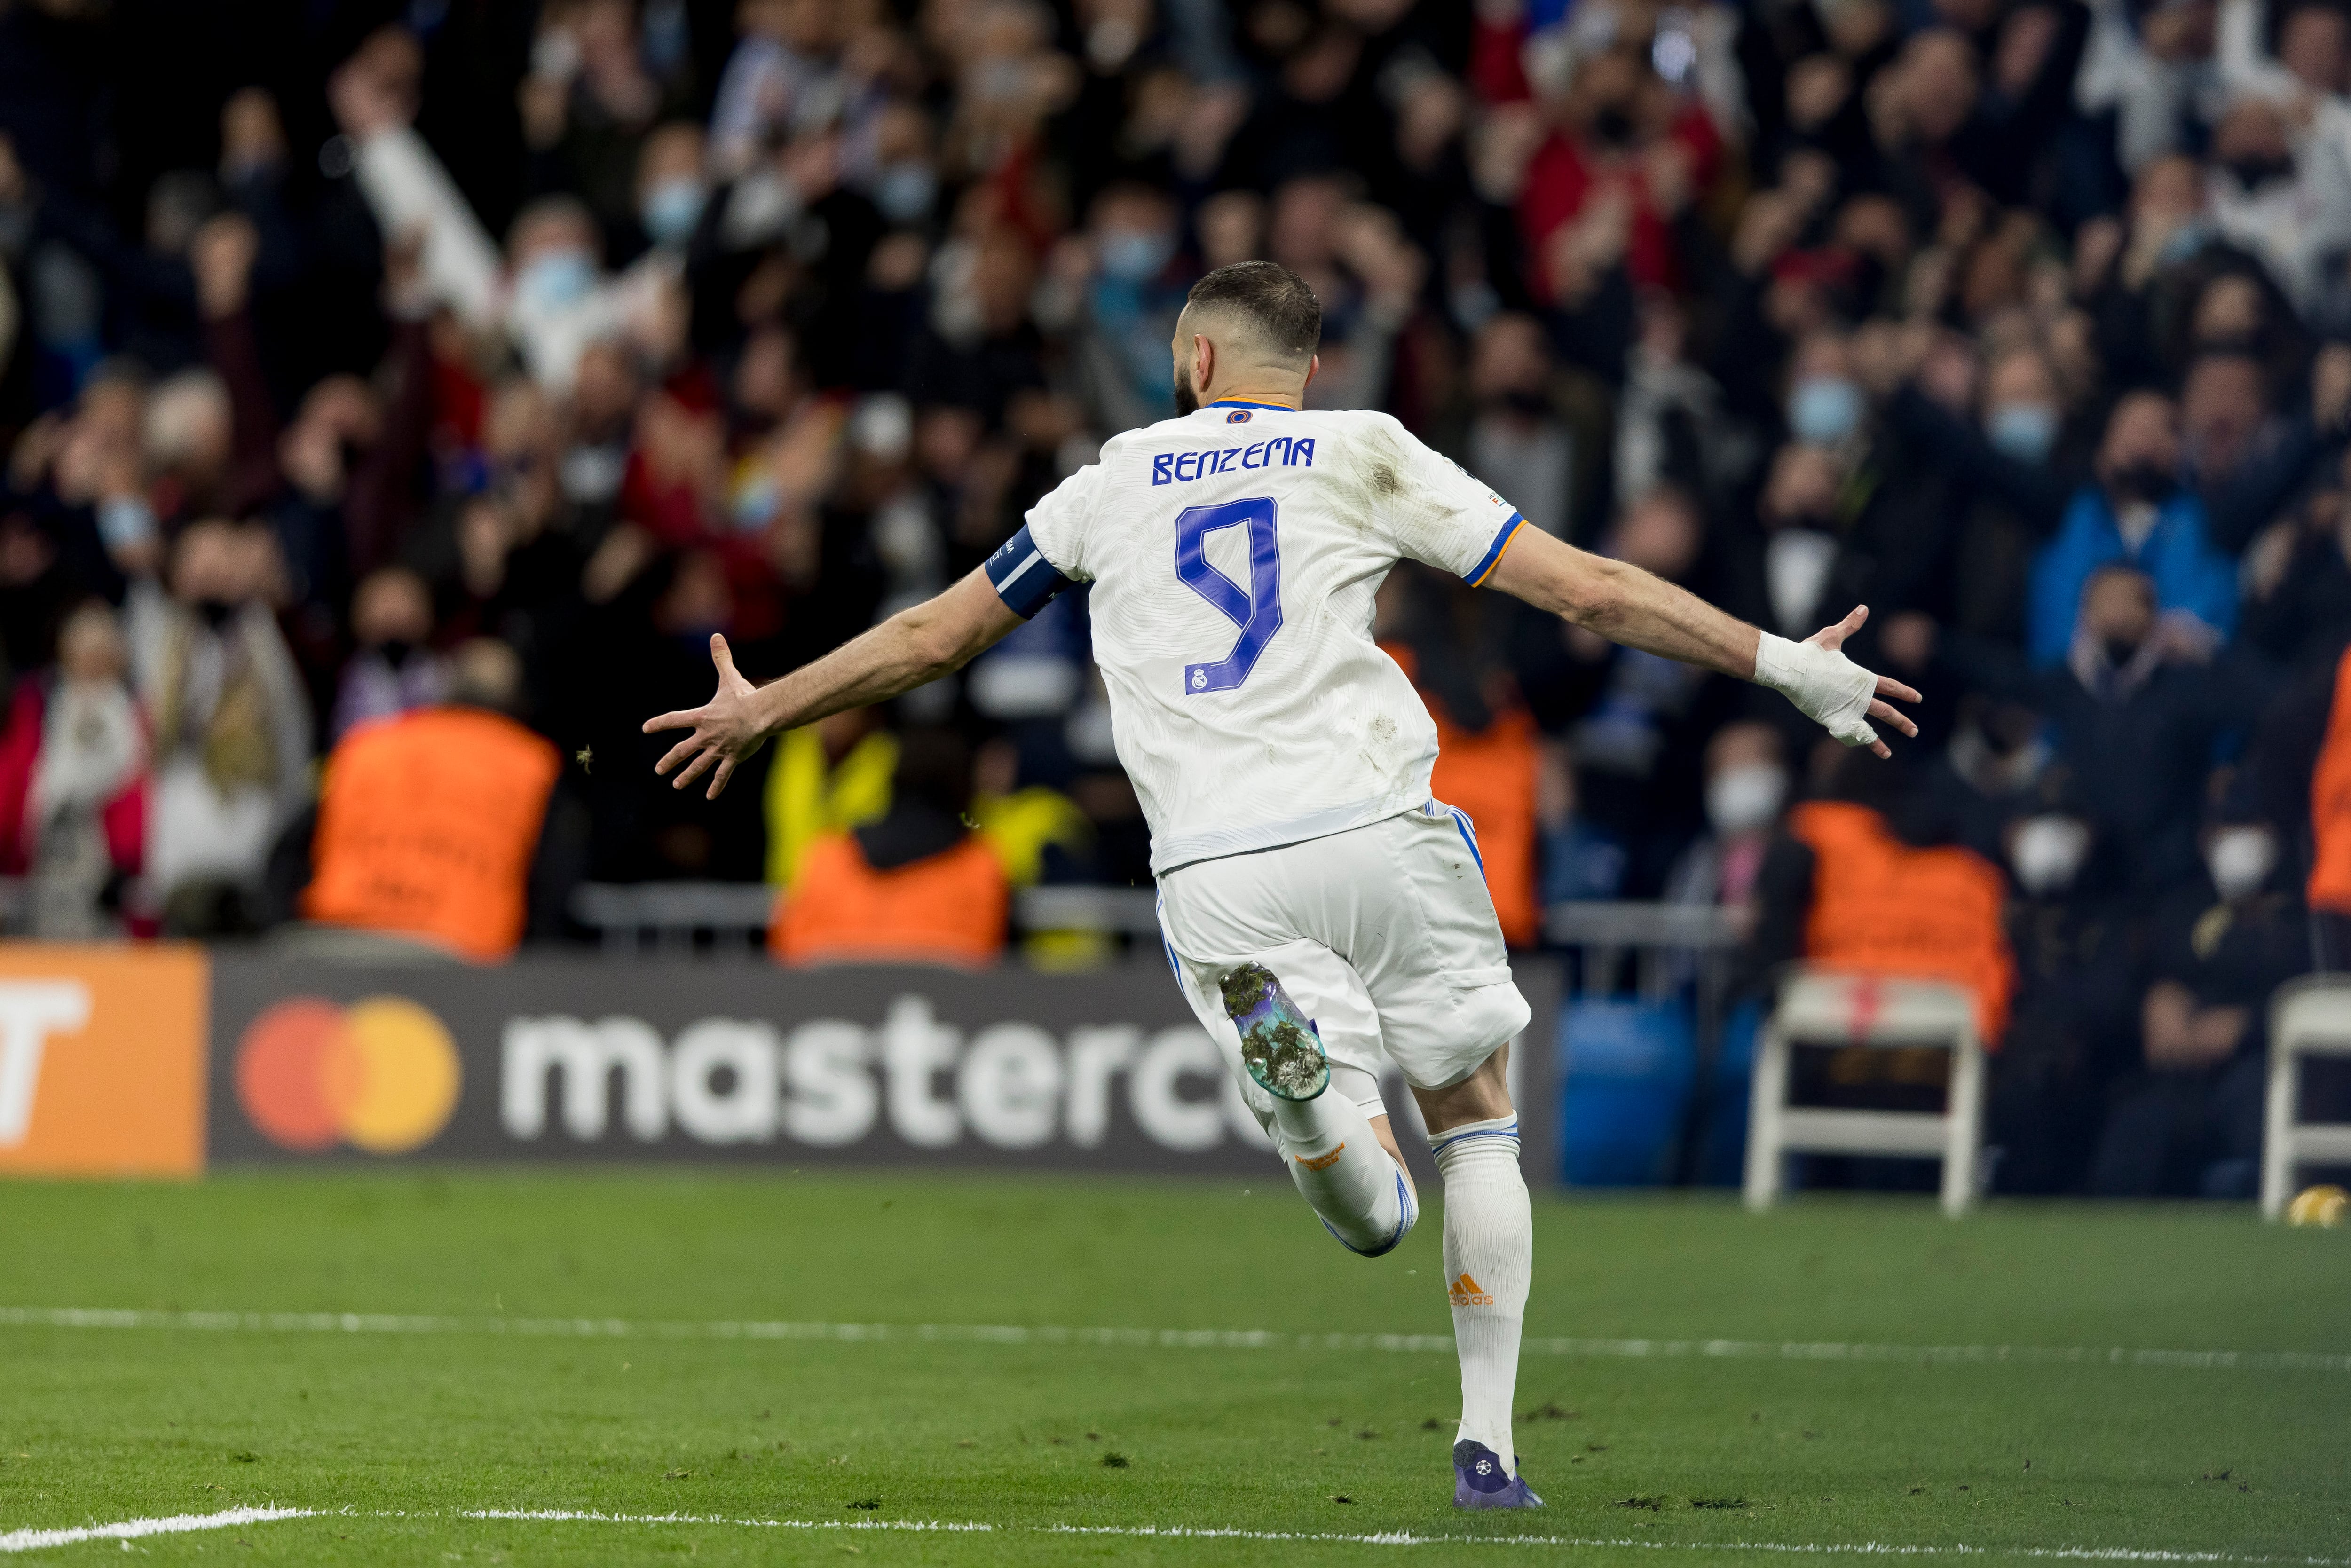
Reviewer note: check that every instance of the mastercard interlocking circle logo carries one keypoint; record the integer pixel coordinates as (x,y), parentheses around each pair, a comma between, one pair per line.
(381,1074)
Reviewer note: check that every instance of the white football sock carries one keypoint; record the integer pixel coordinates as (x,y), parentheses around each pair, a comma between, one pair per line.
(1489,1247)
(1341,1171)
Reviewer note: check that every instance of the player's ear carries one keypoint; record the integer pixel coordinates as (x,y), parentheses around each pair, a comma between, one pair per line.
(1314,365)
(1204,365)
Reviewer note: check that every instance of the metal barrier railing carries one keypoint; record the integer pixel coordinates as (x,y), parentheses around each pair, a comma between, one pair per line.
(1663,941)
(677,916)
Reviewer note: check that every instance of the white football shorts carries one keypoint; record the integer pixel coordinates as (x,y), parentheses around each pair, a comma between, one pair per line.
(1384,935)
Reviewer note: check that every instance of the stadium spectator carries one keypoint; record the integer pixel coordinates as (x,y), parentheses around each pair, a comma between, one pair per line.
(915,886)
(2135,512)
(1862,881)
(1746,790)
(392,668)
(2139,713)
(2075,1022)
(615,325)
(2188,1123)
(1486,756)
(232,722)
(73,778)
(434,825)
(827,779)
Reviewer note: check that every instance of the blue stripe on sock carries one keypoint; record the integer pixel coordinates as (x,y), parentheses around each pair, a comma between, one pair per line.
(1449,1139)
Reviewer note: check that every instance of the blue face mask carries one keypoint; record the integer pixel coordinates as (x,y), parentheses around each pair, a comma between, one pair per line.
(1824,410)
(556,280)
(1134,257)
(2186,241)
(672,209)
(2024,431)
(904,191)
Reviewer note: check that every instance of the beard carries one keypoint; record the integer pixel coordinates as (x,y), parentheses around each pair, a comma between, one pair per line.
(1187,401)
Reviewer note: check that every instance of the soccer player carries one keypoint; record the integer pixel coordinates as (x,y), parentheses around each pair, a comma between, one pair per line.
(1319,909)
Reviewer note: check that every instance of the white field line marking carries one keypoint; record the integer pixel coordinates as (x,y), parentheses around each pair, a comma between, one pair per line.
(132,1529)
(36,1539)
(1162,1339)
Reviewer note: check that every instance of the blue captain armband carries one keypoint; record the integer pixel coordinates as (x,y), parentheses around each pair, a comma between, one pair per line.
(1024,579)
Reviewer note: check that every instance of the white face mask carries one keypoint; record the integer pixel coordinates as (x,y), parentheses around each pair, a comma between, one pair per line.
(2047,853)
(2240,859)
(1742,798)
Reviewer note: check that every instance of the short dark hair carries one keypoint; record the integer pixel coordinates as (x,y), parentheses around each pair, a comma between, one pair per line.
(1271,297)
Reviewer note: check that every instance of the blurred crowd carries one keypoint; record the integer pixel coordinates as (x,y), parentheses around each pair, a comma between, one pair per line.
(361,358)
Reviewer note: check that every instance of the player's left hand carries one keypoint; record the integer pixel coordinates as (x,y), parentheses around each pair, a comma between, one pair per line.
(1879,710)
(726,729)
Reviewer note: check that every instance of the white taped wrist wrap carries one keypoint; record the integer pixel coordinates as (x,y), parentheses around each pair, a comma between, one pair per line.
(1827,687)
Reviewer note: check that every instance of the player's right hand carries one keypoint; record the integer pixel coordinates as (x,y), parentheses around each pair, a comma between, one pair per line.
(726,729)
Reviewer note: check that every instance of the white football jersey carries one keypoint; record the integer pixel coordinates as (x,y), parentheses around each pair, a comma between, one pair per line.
(1234,553)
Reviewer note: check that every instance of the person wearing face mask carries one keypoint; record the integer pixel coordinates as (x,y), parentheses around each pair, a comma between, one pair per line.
(672,191)
(552,297)
(2071,1032)
(558,301)
(1127,306)
(231,719)
(2134,713)
(1826,406)
(2280,194)
(391,671)
(1746,785)
(1509,423)
(2135,511)
(1988,473)
(2188,1121)
(1996,764)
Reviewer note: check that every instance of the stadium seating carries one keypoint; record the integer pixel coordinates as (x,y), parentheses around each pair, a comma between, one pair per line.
(2307,1017)
(1819,1007)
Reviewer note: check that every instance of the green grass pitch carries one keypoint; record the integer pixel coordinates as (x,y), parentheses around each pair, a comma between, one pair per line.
(399,1436)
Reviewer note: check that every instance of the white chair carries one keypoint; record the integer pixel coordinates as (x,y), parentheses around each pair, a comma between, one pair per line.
(2309,1017)
(1821,1006)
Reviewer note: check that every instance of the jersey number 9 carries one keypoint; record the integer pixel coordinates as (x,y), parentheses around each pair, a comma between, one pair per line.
(1256,609)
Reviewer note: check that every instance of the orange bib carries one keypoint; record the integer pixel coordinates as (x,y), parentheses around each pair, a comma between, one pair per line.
(2330,804)
(1492,777)
(947,908)
(1881,907)
(427,825)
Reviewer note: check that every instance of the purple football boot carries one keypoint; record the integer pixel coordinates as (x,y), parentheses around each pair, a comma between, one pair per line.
(1280,1045)
(1479,1480)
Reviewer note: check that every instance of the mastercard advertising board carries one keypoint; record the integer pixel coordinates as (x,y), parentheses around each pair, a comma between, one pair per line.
(102,1060)
(584,1058)
(158,1061)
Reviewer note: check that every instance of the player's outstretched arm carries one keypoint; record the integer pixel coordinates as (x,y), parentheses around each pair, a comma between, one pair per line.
(1627,605)
(917,644)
